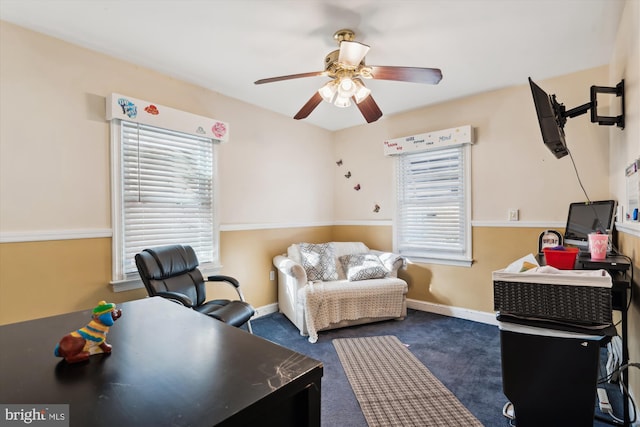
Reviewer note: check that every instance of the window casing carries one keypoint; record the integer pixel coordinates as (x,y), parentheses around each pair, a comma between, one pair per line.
(163,193)
(433,213)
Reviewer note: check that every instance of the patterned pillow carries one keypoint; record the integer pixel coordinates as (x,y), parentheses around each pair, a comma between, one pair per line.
(318,261)
(363,266)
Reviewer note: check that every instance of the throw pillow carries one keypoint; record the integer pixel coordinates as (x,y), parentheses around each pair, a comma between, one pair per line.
(318,261)
(363,266)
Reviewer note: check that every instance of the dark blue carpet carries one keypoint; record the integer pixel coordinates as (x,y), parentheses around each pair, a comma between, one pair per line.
(463,355)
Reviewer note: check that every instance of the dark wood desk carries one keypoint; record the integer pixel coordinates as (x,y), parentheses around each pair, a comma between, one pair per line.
(170,366)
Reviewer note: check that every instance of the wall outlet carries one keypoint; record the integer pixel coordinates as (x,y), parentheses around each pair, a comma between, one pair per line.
(513,214)
(272,275)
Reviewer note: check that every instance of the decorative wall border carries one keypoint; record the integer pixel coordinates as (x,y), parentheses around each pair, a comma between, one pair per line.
(429,140)
(140,111)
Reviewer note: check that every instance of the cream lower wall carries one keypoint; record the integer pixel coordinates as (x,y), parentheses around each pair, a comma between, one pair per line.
(630,246)
(47,278)
(471,287)
(41,279)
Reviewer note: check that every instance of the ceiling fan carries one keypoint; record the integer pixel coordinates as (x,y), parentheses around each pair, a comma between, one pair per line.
(346,68)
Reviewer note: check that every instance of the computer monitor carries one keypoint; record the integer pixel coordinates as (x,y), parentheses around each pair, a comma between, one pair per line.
(589,217)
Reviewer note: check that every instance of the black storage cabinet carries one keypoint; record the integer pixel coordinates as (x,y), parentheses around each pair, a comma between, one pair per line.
(549,377)
(550,338)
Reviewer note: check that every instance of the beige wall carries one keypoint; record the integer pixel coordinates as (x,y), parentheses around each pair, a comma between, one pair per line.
(54,163)
(625,148)
(279,182)
(511,167)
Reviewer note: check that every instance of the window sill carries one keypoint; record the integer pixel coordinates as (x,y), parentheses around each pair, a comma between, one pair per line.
(127,285)
(135,282)
(462,262)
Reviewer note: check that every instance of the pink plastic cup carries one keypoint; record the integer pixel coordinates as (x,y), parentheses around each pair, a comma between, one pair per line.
(598,244)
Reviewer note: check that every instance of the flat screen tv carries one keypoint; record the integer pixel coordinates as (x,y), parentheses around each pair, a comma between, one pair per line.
(589,217)
(551,119)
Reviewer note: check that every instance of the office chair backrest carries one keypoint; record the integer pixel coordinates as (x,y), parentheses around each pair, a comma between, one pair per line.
(172,268)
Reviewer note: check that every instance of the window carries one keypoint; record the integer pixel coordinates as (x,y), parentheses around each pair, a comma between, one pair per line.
(433,213)
(163,194)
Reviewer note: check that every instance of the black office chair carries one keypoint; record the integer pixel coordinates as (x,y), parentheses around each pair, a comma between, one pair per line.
(172,272)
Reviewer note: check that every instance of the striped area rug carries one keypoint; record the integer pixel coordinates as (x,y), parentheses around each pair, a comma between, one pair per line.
(394,388)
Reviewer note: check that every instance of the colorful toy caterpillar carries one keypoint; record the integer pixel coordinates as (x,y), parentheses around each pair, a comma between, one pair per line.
(78,345)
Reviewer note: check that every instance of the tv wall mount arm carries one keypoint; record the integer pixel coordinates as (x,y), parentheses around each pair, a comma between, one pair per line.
(593,106)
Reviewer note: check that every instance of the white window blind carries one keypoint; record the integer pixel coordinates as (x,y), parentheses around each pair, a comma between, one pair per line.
(432,213)
(167,192)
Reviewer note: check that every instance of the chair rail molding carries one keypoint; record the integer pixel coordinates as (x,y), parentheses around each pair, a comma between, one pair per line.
(45,235)
(96,233)
(523,224)
(632,228)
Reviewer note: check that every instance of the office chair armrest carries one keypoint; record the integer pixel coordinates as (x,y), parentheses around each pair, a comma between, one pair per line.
(220,278)
(176,297)
(227,279)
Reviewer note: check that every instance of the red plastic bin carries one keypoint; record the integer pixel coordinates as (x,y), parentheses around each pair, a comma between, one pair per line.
(561,259)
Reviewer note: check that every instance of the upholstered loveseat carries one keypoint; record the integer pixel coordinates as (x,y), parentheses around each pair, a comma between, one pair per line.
(337,284)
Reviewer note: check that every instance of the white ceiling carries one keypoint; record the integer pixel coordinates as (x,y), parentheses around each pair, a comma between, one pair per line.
(225,45)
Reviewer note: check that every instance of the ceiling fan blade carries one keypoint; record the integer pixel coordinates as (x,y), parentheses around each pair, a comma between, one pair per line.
(352,53)
(307,108)
(289,77)
(407,74)
(369,109)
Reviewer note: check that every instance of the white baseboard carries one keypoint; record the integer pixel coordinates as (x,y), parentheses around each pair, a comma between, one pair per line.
(265,309)
(461,313)
(631,402)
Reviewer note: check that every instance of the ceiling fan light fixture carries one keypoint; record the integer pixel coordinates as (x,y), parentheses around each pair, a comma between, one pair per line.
(352,53)
(361,91)
(328,91)
(340,91)
(347,87)
(341,101)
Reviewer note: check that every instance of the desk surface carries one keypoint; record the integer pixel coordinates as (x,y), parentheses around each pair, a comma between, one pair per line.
(611,262)
(584,262)
(169,366)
